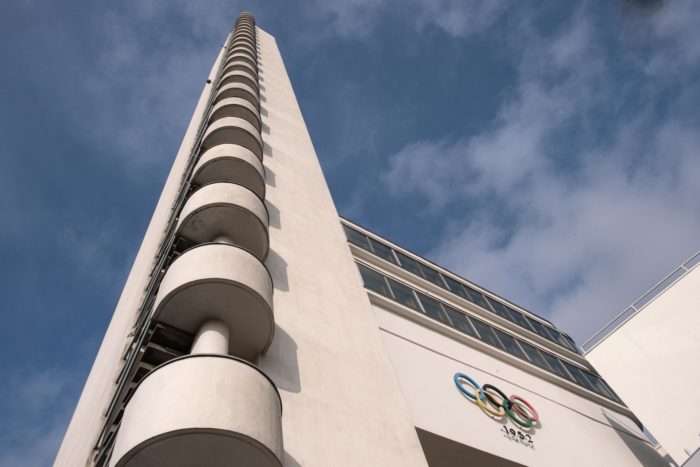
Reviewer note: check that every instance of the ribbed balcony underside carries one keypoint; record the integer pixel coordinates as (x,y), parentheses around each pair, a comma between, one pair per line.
(236,107)
(234,130)
(226,210)
(231,163)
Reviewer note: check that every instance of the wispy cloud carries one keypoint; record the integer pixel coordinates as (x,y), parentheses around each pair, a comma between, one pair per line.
(359,19)
(569,215)
(38,414)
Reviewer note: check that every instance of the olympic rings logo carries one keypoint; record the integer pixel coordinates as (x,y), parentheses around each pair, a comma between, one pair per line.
(494,402)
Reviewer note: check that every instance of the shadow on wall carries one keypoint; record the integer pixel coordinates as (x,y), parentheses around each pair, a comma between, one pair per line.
(273,215)
(278,270)
(283,364)
(270,178)
(289,461)
(267,149)
(647,455)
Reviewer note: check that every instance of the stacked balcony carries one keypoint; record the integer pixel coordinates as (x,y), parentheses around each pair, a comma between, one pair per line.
(212,406)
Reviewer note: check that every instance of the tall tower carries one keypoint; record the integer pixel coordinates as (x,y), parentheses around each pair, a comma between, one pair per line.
(249,332)
(243,299)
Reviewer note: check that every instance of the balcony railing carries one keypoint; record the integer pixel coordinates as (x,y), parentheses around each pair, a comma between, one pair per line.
(629,312)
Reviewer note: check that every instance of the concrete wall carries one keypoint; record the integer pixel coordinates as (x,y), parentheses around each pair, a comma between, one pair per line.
(338,390)
(574,431)
(652,363)
(86,423)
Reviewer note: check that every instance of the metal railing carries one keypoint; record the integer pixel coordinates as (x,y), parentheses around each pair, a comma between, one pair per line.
(629,312)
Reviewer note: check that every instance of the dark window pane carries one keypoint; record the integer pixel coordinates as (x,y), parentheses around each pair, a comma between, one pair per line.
(599,386)
(534,355)
(572,344)
(459,321)
(499,309)
(433,308)
(403,294)
(520,319)
(560,339)
(555,365)
(510,344)
(539,329)
(357,238)
(432,275)
(478,298)
(579,376)
(409,264)
(456,287)
(486,333)
(382,251)
(373,280)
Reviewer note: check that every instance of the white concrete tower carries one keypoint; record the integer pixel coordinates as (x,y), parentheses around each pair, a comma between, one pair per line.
(195,366)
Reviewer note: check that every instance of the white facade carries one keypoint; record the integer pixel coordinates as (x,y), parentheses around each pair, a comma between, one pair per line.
(244,334)
(656,347)
(576,427)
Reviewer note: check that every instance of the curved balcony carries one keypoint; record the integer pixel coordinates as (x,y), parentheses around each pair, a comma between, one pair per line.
(231,163)
(226,210)
(244,24)
(243,31)
(240,65)
(210,410)
(243,47)
(217,281)
(236,107)
(239,76)
(244,50)
(240,57)
(233,130)
(238,90)
(244,39)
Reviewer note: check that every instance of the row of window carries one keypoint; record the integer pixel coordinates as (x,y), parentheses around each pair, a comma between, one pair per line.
(459,288)
(473,327)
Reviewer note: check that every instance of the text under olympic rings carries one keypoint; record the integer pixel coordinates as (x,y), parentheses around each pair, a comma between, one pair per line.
(487,398)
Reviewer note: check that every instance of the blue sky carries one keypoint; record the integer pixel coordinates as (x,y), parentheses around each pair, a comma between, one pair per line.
(546,150)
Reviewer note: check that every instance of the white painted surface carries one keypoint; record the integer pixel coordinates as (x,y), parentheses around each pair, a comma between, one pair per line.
(573,431)
(652,363)
(212,337)
(341,399)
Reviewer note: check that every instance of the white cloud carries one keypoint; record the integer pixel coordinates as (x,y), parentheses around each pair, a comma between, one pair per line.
(585,224)
(38,416)
(459,18)
(357,19)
